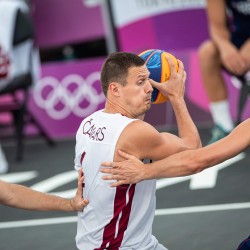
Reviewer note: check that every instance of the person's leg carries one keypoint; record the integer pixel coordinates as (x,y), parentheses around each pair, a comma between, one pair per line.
(210,66)
(211,71)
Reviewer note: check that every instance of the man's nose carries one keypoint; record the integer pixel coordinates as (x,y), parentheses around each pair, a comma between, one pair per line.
(149,87)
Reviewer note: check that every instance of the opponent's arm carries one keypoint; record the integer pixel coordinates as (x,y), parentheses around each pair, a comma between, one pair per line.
(184,163)
(19,196)
(194,161)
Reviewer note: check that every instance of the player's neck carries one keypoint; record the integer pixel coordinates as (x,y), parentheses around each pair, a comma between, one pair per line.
(114,107)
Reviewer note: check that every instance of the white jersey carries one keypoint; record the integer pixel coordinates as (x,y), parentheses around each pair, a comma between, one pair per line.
(115,218)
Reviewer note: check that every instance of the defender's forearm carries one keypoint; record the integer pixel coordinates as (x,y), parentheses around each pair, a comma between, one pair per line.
(26,198)
(193,161)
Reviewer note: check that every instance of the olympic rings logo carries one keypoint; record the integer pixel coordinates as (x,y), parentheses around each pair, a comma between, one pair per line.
(73,94)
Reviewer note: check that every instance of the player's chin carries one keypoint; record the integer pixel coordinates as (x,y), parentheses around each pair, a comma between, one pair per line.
(144,109)
(148,106)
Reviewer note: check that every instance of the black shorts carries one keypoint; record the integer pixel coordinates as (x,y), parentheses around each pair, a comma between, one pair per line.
(238,39)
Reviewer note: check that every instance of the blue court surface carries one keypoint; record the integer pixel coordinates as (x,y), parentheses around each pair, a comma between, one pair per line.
(207,211)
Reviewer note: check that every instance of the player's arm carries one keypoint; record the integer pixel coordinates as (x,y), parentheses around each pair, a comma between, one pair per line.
(181,164)
(194,161)
(19,196)
(143,140)
(174,90)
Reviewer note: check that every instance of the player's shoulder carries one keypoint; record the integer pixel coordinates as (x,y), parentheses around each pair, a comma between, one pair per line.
(141,124)
(245,123)
(138,137)
(247,120)
(140,128)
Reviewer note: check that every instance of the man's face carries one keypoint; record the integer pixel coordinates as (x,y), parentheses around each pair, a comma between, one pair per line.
(136,95)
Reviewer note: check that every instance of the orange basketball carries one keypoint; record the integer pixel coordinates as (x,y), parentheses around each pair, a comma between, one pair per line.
(157,64)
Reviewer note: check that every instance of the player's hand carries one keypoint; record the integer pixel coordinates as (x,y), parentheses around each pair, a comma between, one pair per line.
(175,86)
(78,202)
(129,171)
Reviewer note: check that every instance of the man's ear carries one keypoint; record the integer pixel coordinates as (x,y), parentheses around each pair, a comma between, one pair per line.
(114,88)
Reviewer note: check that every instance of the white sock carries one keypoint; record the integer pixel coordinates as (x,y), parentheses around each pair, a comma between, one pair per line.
(3,162)
(247,76)
(221,115)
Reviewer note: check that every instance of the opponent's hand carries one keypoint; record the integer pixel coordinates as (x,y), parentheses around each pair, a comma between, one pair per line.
(129,171)
(174,87)
(78,202)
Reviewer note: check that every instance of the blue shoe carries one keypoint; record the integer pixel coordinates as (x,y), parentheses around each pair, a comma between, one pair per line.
(217,133)
(245,244)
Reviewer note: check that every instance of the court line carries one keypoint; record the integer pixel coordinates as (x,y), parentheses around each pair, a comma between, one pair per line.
(19,177)
(167,211)
(198,209)
(38,222)
(55,181)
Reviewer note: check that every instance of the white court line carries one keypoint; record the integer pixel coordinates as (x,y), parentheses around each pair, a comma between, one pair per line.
(19,177)
(55,181)
(38,222)
(198,209)
(167,211)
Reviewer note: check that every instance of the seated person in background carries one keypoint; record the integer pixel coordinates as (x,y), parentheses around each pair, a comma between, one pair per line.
(228,48)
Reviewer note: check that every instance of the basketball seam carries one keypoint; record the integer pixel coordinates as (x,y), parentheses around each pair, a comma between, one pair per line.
(150,56)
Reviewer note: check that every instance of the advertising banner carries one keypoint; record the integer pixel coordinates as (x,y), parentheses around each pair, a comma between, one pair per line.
(65,94)
(60,22)
(165,24)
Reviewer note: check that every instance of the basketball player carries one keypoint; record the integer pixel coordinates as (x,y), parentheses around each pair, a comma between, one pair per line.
(122,217)
(19,196)
(228,48)
(184,163)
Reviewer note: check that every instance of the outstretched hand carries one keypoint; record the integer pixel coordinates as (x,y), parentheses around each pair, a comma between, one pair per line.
(131,170)
(78,202)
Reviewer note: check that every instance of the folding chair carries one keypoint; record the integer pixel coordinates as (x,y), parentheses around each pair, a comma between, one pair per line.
(243,96)
(20,85)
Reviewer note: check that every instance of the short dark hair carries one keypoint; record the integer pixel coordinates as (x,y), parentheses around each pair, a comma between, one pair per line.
(116,66)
